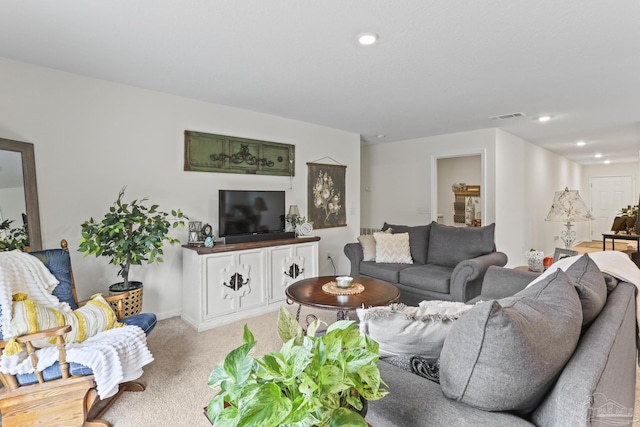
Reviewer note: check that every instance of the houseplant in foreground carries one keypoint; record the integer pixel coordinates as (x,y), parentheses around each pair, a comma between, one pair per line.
(129,234)
(311,381)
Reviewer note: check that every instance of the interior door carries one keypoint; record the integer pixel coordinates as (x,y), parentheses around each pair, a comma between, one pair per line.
(608,195)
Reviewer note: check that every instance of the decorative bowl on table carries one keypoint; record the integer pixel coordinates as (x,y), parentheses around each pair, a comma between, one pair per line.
(344,282)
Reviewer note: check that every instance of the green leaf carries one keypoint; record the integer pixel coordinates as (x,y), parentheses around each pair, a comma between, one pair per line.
(247,336)
(266,407)
(341,417)
(218,374)
(288,327)
(238,364)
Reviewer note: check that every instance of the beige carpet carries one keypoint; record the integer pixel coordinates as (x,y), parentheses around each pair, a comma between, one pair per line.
(176,381)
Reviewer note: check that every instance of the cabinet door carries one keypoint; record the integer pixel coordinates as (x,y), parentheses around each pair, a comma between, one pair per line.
(250,287)
(290,264)
(280,266)
(233,282)
(218,299)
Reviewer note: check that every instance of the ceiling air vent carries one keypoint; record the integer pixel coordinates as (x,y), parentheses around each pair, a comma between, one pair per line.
(507,116)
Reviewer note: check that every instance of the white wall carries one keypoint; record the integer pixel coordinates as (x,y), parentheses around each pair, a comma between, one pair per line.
(467,169)
(519,182)
(92,137)
(527,178)
(398,176)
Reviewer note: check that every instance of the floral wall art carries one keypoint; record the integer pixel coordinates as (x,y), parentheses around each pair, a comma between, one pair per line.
(326,195)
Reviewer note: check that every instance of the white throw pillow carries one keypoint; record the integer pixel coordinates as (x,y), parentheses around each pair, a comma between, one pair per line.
(393,248)
(368,244)
(411,331)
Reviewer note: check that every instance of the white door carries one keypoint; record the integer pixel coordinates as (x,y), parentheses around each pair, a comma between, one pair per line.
(608,195)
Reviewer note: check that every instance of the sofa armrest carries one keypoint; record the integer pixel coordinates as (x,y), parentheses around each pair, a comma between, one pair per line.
(504,282)
(467,276)
(354,253)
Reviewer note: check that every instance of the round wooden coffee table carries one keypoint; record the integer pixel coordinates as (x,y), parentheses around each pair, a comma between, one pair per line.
(309,292)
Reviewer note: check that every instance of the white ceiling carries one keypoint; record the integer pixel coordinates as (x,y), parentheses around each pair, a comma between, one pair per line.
(439,66)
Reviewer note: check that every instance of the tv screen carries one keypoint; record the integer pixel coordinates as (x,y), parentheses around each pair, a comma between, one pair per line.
(250,212)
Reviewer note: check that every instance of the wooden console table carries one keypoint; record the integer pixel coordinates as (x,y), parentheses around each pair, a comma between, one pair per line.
(633,237)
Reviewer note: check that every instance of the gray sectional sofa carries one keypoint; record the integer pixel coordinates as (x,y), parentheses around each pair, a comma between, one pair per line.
(448,262)
(576,365)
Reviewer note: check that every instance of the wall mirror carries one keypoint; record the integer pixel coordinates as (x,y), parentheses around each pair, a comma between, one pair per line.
(18,188)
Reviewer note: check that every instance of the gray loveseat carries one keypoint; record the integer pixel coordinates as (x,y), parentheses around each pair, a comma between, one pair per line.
(595,386)
(449,263)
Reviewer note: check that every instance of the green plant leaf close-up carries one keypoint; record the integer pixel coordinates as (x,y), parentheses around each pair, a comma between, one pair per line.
(311,381)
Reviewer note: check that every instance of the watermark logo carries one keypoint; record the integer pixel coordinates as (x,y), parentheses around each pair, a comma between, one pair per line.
(609,412)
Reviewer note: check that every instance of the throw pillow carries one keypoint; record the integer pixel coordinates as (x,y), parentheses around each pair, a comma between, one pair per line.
(450,245)
(505,355)
(410,331)
(418,239)
(90,319)
(392,248)
(368,244)
(590,285)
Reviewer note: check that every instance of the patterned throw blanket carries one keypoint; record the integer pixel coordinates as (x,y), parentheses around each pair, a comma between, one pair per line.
(114,356)
(419,365)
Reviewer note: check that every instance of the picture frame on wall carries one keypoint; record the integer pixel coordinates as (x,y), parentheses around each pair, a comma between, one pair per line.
(563,253)
(326,197)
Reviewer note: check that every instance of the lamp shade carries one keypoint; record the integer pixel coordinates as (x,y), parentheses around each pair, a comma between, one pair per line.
(293,210)
(568,206)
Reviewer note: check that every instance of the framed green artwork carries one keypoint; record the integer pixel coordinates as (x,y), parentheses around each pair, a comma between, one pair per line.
(326,195)
(207,152)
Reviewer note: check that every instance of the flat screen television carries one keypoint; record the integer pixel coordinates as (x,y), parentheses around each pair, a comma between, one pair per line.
(250,212)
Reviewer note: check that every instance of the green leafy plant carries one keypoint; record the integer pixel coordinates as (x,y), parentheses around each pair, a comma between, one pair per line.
(311,381)
(12,238)
(129,234)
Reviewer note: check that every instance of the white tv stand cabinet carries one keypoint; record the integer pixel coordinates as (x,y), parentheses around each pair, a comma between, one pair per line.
(227,283)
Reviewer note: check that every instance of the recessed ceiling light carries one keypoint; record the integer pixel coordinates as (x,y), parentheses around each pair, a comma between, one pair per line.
(380,135)
(606,162)
(580,143)
(367,39)
(544,118)
(598,155)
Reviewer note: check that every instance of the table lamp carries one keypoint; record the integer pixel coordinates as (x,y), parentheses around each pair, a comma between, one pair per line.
(568,207)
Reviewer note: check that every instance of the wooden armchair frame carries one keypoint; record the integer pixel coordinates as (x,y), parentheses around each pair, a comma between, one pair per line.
(69,400)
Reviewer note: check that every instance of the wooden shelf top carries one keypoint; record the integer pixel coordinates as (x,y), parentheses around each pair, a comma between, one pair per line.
(220,247)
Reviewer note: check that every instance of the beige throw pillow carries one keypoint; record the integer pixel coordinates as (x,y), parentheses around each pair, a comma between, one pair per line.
(368,244)
(393,248)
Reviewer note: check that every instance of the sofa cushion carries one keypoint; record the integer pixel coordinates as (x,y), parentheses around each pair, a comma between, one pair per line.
(406,330)
(368,244)
(392,248)
(386,272)
(505,355)
(449,245)
(590,285)
(89,320)
(418,239)
(436,278)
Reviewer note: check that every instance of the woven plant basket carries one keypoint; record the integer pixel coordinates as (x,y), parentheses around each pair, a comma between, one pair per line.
(132,303)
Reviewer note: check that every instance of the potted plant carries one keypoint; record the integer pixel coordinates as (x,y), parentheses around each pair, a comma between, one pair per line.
(12,238)
(129,234)
(311,381)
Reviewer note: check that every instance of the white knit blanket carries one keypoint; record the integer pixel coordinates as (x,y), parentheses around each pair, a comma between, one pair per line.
(114,356)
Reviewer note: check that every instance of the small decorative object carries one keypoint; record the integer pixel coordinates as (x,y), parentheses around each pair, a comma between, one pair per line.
(325,380)
(563,253)
(333,289)
(547,261)
(534,260)
(568,207)
(344,281)
(207,235)
(195,233)
(304,229)
(459,186)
